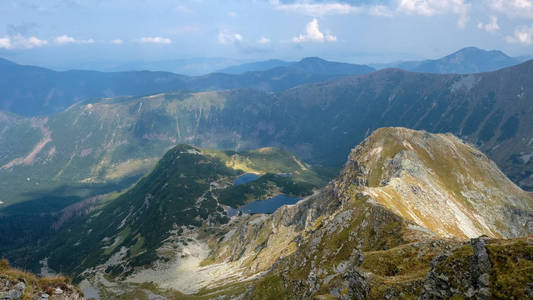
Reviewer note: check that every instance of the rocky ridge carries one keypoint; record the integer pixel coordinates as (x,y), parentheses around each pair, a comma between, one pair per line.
(348,242)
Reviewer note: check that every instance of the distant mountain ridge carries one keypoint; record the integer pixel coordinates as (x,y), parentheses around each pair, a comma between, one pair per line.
(254,66)
(31,91)
(465,61)
(309,64)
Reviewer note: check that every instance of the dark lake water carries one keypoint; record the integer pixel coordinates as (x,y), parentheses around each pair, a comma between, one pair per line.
(245,178)
(269,205)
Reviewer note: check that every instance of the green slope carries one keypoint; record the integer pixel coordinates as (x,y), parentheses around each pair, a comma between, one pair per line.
(188,188)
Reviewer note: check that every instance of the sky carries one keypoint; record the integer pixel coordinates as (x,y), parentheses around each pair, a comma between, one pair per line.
(66,33)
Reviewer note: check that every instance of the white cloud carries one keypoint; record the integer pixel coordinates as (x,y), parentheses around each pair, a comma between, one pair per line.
(5,43)
(522,35)
(32,42)
(21,42)
(65,39)
(155,40)
(317,9)
(232,14)
(263,40)
(226,37)
(313,34)
(117,42)
(513,8)
(491,26)
(436,7)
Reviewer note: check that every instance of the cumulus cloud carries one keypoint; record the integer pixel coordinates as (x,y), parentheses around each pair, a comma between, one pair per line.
(436,7)
(21,42)
(263,40)
(313,34)
(117,42)
(226,37)
(513,8)
(65,39)
(155,40)
(522,35)
(491,26)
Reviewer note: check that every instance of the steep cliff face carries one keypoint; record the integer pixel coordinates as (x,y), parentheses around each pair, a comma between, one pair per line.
(438,182)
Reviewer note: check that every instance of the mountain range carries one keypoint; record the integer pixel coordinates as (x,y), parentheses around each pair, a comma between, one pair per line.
(45,92)
(255,66)
(464,61)
(31,91)
(105,140)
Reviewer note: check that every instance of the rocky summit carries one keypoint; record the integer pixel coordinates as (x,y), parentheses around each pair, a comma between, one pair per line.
(440,183)
(412,215)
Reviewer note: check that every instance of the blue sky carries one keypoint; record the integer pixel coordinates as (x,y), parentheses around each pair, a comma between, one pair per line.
(63,32)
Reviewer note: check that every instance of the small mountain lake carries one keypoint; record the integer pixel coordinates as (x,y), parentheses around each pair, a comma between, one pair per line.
(269,205)
(245,178)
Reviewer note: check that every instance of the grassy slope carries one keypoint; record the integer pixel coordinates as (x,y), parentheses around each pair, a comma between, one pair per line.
(177,192)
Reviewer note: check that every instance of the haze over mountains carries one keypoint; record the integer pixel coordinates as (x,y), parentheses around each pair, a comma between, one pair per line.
(45,91)
(464,61)
(31,91)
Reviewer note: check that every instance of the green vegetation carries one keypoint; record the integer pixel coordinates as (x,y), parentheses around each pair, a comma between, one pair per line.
(167,198)
(271,286)
(266,186)
(186,188)
(512,267)
(405,260)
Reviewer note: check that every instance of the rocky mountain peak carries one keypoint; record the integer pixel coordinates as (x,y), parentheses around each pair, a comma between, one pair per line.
(438,182)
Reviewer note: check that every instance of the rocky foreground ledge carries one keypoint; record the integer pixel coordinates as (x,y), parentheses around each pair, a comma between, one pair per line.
(16,284)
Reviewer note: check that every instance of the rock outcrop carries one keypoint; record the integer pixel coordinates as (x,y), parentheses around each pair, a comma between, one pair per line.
(15,284)
(438,182)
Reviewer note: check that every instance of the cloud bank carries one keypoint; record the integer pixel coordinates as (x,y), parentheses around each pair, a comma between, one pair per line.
(21,42)
(65,39)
